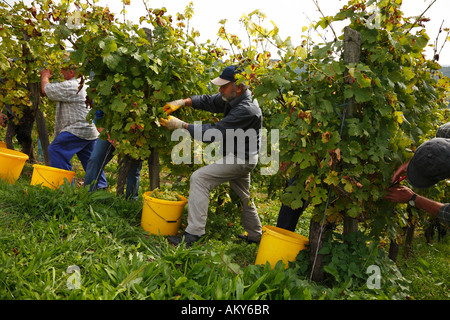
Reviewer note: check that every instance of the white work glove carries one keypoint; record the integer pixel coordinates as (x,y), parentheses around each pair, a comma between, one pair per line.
(173,105)
(172,123)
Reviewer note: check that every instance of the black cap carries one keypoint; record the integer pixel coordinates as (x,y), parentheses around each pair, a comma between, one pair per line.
(443,131)
(226,76)
(430,163)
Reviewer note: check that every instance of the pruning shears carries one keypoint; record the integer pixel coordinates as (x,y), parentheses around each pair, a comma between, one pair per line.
(398,181)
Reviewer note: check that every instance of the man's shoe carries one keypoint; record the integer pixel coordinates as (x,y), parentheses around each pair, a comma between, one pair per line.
(189,239)
(245,237)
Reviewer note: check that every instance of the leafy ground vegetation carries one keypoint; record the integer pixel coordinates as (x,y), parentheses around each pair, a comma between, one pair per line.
(46,232)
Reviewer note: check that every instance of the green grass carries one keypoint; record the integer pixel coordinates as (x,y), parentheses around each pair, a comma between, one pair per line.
(43,232)
(427,269)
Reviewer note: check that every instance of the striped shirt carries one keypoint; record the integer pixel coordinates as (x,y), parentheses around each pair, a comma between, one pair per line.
(71,110)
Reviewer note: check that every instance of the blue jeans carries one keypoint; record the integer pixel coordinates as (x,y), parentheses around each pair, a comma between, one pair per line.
(100,157)
(65,146)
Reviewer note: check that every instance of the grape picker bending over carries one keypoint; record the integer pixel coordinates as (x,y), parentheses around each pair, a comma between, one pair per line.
(429,165)
(242,121)
(101,155)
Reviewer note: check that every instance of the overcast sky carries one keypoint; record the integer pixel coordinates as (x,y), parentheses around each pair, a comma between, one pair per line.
(289,15)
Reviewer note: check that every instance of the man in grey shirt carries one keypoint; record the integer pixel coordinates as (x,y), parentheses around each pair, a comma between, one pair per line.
(238,133)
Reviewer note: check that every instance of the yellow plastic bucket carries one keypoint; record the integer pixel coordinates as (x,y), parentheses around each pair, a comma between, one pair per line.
(3,144)
(50,177)
(279,244)
(11,164)
(162,216)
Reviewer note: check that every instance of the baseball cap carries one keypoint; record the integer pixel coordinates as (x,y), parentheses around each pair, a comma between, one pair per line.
(430,163)
(226,76)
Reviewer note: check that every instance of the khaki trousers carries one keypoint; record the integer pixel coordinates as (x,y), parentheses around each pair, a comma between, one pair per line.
(207,178)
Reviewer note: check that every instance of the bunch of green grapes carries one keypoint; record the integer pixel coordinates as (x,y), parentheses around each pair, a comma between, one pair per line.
(165,195)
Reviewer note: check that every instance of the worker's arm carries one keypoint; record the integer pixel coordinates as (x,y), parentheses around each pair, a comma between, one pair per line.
(402,194)
(45,79)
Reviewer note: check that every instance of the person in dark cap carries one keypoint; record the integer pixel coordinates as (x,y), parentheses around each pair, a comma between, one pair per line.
(429,165)
(443,131)
(238,134)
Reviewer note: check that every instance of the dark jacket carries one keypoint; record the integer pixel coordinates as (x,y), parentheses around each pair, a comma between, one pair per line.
(240,128)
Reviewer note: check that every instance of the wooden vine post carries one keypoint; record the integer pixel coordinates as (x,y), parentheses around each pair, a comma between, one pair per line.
(31,114)
(319,231)
(352,52)
(153,160)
